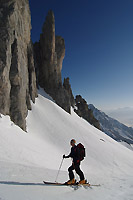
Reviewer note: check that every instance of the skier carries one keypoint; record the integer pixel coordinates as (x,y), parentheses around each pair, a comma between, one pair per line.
(74,154)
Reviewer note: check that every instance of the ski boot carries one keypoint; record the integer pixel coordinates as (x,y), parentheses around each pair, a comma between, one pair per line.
(81,182)
(71,182)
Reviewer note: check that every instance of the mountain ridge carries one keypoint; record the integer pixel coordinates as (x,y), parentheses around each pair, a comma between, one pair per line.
(113,127)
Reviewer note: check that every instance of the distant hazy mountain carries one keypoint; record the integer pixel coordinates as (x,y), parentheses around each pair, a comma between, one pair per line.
(112,127)
(124,115)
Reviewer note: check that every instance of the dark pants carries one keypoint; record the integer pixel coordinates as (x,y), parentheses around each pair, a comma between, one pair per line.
(78,171)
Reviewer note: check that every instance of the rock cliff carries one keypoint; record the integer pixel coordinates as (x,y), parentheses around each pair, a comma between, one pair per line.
(20,59)
(49,54)
(17,74)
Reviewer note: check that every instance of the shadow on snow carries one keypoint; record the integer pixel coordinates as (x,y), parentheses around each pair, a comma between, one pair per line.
(18,183)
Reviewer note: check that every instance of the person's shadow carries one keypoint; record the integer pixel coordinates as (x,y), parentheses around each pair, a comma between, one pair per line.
(19,183)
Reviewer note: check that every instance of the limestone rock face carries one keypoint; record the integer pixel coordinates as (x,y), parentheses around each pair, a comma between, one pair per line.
(84,112)
(17,74)
(49,53)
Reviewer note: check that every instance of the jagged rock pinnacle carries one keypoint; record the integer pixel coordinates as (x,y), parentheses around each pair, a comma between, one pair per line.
(49,53)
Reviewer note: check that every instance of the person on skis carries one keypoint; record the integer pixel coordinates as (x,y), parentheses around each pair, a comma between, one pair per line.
(74,154)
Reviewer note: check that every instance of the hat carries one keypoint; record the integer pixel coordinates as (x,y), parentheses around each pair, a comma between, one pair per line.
(73,141)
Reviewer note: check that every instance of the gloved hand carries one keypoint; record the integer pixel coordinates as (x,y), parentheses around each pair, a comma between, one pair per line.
(64,156)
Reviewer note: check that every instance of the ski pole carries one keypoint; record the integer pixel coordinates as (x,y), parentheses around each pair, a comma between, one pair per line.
(59,169)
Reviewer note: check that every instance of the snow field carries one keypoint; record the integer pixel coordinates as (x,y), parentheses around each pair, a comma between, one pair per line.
(29,158)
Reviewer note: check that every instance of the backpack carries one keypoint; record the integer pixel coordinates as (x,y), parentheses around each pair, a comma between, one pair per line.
(81,151)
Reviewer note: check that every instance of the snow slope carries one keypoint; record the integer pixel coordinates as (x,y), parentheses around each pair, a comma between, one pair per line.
(26,159)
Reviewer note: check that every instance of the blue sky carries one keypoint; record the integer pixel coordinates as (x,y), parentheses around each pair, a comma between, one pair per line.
(99,47)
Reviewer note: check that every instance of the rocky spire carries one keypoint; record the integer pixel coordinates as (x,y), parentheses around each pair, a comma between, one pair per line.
(47,69)
(49,54)
(17,74)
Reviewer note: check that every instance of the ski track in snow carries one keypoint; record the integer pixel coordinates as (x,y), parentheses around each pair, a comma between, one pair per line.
(26,159)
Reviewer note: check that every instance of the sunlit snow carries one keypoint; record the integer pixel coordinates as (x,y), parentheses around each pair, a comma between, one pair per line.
(26,159)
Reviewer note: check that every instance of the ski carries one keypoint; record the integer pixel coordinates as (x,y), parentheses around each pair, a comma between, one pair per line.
(63,184)
(52,183)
